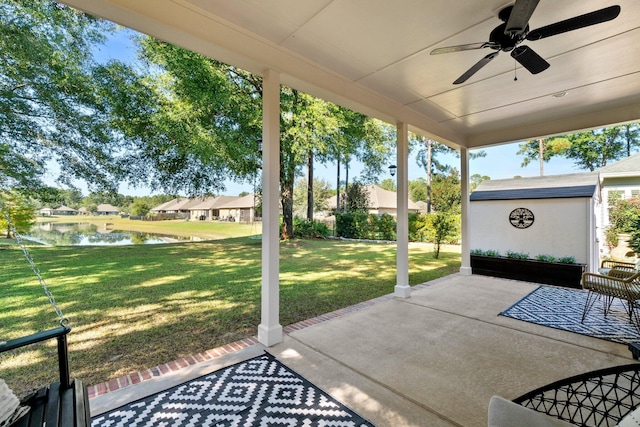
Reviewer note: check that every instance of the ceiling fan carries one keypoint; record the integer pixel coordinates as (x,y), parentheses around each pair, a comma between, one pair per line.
(515,29)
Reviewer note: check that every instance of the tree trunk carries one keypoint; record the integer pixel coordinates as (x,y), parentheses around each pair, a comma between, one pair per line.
(541,155)
(429,142)
(286,198)
(338,186)
(310,185)
(346,183)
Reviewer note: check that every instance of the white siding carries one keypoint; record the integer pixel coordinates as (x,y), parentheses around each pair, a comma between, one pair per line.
(562,227)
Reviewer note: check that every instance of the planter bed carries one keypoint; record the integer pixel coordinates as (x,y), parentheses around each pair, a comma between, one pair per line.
(529,270)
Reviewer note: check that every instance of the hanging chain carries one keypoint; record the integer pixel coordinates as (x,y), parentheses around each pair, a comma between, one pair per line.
(63,320)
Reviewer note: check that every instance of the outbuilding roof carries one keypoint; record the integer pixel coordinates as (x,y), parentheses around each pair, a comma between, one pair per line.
(546,187)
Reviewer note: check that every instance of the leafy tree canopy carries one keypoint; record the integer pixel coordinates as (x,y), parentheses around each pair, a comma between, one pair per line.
(18,209)
(53,104)
(590,150)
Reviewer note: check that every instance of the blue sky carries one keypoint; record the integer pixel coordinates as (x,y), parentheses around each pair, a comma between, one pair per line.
(501,162)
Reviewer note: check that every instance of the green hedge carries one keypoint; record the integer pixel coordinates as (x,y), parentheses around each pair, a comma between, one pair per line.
(360,225)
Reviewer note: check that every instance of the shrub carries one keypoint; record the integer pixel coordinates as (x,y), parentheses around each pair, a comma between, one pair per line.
(567,260)
(443,227)
(624,213)
(387,227)
(634,242)
(546,258)
(352,225)
(306,229)
(517,255)
(492,253)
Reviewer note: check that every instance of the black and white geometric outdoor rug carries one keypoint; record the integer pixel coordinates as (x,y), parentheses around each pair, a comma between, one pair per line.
(257,392)
(561,308)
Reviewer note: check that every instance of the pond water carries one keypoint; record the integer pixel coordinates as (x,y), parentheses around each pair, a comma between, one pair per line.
(87,234)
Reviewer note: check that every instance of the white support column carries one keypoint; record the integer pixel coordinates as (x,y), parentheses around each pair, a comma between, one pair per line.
(270,330)
(465,267)
(402,289)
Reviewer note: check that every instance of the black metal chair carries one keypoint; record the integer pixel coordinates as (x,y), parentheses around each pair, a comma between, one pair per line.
(597,398)
(63,403)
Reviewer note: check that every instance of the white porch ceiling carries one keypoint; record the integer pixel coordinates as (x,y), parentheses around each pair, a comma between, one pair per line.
(374,56)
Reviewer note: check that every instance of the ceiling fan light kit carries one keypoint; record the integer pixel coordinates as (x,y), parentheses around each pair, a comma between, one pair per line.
(508,36)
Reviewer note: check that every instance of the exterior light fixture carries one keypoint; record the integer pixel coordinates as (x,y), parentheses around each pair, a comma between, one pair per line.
(260,146)
(392,170)
(560,94)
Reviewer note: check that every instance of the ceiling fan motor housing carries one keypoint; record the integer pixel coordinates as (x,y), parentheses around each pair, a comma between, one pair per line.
(501,41)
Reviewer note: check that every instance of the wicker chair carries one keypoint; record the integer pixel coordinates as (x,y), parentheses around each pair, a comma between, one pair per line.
(607,265)
(596,398)
(619,283)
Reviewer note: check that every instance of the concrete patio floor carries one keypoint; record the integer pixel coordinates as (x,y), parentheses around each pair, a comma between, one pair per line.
(434,359)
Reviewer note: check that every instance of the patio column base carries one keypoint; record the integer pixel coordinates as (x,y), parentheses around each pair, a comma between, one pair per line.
(402,291)
(465,271)
(270,335)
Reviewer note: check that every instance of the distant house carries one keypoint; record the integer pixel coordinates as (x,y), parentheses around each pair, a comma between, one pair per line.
(209,208)
(240,209)
(83,211)
(64,210)
(180,207)
(380,201)
(45,212)
(107,209)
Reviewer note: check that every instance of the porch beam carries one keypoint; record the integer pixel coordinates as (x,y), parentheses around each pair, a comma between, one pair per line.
(402,289)
(270,330)
(465,267)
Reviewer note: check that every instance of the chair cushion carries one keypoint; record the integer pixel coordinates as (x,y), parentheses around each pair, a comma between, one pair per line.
(505,413)
(632,419)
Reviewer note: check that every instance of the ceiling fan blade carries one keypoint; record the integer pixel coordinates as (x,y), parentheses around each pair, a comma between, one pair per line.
(591,18)
(519,17)
(460,48)
(529,59)
(471,71)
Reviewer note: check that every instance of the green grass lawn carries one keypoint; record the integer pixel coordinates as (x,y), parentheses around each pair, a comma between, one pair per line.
(134,307)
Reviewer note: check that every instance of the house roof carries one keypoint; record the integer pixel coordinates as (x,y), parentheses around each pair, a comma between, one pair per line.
(379,198)
(164,206)
(213,202)
(243,202)
(64,208)
(106,207)
(629,166)
(376,59)
(546,187)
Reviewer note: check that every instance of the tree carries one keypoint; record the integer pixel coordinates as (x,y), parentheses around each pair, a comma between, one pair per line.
(426,158)
(52,101)
(443,226)
(543,150)
(418,190)
(18,209)
(140,207)
(477,179)
(210,121)
(446,192)
(207,123)
(596,148)
(321,192)
(356,198)
(388,184)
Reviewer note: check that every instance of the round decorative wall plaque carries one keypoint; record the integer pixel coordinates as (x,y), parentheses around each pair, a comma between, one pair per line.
(521,218)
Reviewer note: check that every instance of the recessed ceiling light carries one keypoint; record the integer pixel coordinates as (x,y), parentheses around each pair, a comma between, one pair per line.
(560,94)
